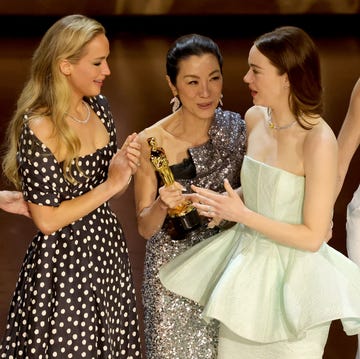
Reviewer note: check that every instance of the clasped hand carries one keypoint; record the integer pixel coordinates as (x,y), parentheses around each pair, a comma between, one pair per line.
(172,196)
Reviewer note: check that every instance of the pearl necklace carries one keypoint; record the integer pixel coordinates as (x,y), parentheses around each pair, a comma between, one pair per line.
(86,120)
(273,126)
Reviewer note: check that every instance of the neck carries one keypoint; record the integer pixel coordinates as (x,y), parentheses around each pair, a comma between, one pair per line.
(279,125)
(191,129)
(193,125)
(81,120)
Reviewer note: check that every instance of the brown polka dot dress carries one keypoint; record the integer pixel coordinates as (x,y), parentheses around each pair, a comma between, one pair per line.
(75,296)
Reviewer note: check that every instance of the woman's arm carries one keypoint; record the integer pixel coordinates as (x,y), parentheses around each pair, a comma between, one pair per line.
(349,136)
(124,163)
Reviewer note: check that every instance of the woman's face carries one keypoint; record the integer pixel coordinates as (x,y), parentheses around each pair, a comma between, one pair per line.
(199,84)
(266,86)
(87,75)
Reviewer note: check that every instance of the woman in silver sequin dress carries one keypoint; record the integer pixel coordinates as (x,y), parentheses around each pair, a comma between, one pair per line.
(204,144)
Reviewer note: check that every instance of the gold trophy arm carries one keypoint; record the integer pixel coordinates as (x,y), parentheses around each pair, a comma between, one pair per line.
(184,215)
(160,162)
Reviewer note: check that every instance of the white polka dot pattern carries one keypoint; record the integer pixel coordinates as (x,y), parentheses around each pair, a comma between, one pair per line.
(75,296)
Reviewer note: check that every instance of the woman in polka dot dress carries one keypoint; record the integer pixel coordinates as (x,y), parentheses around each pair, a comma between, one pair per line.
(75,296)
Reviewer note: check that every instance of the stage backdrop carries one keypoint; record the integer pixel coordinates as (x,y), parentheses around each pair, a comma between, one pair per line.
(177,7)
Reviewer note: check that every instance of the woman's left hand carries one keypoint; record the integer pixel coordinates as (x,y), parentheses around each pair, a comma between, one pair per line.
(216,205)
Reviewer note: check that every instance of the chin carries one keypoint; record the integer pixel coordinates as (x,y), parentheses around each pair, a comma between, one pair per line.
(93,94)
(206,114)
(257,102)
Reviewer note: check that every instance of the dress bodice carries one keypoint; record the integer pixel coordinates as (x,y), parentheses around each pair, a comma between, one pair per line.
(34,155)
(184,170)
(272,192)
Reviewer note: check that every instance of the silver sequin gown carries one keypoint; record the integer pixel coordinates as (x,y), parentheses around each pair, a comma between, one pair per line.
(173,327)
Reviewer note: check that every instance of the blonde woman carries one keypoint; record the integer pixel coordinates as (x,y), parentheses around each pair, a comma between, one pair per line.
(75,296)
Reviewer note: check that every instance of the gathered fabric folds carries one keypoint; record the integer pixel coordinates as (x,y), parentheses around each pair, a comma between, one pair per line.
(259,290)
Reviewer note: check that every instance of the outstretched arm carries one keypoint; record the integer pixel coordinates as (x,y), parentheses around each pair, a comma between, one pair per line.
(13,202)
(349,136)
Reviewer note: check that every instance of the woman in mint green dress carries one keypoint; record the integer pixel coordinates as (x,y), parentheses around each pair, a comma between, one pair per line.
(272,281)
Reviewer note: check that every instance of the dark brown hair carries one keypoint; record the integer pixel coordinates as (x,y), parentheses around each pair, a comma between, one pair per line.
(292,51)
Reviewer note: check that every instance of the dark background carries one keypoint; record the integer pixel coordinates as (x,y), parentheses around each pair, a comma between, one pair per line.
(140,33)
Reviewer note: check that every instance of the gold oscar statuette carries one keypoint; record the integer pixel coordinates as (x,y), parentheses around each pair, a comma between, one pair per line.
(184,216)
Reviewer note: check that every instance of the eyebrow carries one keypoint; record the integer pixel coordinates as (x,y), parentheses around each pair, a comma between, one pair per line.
(103,57)
(256,66)
(211,73)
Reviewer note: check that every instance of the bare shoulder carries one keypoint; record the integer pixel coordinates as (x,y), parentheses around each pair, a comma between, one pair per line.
(43,128)
(255,112)
(356,89)
(156,130)
(321,136)
(148,132)
(322,130)
(253,115)
(355,99)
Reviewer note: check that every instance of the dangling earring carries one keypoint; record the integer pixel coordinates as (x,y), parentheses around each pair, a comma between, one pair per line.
(175,102)
(220,101)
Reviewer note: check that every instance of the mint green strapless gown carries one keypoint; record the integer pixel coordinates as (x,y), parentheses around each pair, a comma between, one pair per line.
(272,301)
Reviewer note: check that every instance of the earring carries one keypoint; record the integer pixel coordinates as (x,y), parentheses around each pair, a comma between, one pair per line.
(220,101)
(175,102)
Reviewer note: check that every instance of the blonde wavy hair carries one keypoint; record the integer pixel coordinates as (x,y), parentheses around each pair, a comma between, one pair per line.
(47,92)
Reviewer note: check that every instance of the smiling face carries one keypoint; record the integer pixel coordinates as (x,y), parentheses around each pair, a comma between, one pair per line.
(267,86)
(199,84)
(86,76)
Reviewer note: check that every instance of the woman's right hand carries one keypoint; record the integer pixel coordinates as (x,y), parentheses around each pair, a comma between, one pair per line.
(124,164)
(13,202)
(171,196)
